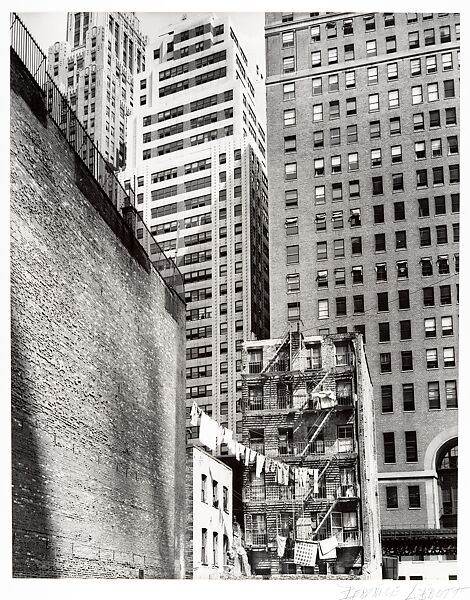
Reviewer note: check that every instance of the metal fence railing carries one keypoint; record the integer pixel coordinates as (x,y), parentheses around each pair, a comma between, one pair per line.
(61,112)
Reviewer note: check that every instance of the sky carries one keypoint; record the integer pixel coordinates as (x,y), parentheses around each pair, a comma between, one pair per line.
(49,27)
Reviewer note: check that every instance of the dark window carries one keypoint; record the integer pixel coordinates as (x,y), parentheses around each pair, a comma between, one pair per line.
(379,213)
(426,267)
(380,245)
(377,186)
(382,301)
(434,397)
(400,240)
(389,447)
(384,332)
(404,299)
(411,446)
(423,207)
(424,236)
(392,496)
(405,330)
(406,360)
(358,303)
(428,296)
(445,294)
(408,397)
(385,362)
(414,500)
(399,211)
(387,399)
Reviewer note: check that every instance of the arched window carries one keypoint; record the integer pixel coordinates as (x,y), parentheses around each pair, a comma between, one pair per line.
(447,470)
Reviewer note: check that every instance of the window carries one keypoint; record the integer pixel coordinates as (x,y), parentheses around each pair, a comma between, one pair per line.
(430,327)
(452,145)
(381,272)
(348,27)
(414,500)
(351,106)
(288,64)
(291,198)
(379,216)
(337,218)
(204,488)
(293,282)
(395,126)
(290,170)
(433,92)
(408,397)
(447,64)
(351,132)
(455,202)
(415,66)
(413,39)
(322,279)
(369,22)
(204,547)
(374,129)
(441,234)
(424,236)
(332,55)
(417,94)
(431,358)
(406,360)
(387,399)
(444,33)
(403,299)
(337,192)
(372,75)
(289,93)
(290,143)
(447,326)
(338,248)
(411,446)
(316,86)
(215,548)
(428,296)
(289,117)
(357,274)
(454,173)
(331,29)
(316,58)
(402,269)
(334,109)
(315,33)
(319,192)
(292,255)
(451,394)
(373,102)
(397,182)
(356,246)
(293,311)
(358,303)
(443,265)
(389,447)
(353,161)
(400,240)
(396,153)
(449,88)
(333,82)
(384,332)
(391,496)
(391,44)
(382,301)
(317,112)
(429,37)
(335,136)
(354,189)
(421,178)
(371,48)
(405,330)
(318,139)
(288,39)
(418,122)
(318,167)
(385,362)
(323,309)
(434,119)
(434,399)
(350,79)
(377,186)
(321,251)
(449,357)
(336,164)
(451,116)
(341,306)
(349,52)
(399,211)
(292,226)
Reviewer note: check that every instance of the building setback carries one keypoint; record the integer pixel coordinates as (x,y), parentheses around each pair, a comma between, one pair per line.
(363,154)
(308,402)
(196,162)
(95,69)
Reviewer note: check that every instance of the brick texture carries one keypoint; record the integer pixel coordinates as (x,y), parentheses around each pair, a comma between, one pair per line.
(98,384)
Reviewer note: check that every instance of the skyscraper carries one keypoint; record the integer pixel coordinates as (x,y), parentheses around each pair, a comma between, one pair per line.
(364,227)
(95,68)
(196,160)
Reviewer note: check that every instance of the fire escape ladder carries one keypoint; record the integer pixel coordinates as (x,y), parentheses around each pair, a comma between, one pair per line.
(326,418)
(318,383)
(320,476)
(276,354)
(327,514)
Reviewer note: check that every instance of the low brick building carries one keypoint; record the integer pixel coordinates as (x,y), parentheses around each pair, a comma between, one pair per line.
(308,403)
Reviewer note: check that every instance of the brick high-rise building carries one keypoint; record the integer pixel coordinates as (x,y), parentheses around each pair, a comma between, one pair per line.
(196,160)
(363,152)
(95,69)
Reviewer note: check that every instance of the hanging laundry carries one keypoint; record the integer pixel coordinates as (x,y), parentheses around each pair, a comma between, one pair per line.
(220,433)
(237,450)
(260,460)
(328,548)
(315,481)
(305,553)
(281,545)
(247,456)
(195,410)
(208,432)
(253,454)
(228,436)
(231,445)
(301,475)
(285,474)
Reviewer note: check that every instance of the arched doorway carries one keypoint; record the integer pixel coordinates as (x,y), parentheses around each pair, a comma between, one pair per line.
(447,471)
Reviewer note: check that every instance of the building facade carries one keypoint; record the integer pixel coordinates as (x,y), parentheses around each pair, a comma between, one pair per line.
(95,69)
(196,161)
(209,531)
(308,402)
(363,126)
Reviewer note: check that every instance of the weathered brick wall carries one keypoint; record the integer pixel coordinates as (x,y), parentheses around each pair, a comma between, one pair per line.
(98,386)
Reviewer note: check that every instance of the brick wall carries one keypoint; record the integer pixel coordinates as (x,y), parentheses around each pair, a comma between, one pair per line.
(98,448)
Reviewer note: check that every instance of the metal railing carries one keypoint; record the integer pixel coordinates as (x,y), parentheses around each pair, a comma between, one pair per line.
(61,112)
(254,493)
(344,360)
(257,446)
(326,447)
(256,539)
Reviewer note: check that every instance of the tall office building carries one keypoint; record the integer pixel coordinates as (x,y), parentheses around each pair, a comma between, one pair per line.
(196,159)
(363,152)
(95,69)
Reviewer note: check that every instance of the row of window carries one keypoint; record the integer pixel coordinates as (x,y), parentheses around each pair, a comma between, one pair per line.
(190,66)
(173,88)
(414,498)
(215,549)
(408,396)
(404,330)
(406,359)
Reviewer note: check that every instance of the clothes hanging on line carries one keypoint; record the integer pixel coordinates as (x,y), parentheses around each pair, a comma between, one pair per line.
(305,553)
(195,410)
(260,460)
(281,545)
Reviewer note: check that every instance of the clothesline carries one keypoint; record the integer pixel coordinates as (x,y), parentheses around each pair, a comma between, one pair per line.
(211,433)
